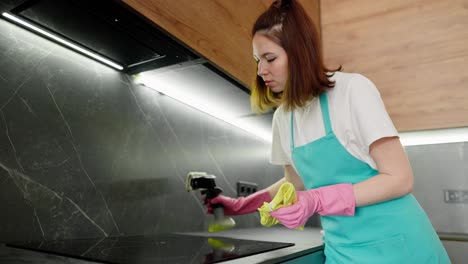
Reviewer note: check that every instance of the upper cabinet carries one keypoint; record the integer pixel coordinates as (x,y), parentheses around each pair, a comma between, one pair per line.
(415,51)
(219,30)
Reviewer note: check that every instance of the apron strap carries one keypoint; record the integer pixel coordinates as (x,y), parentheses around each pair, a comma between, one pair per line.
(325,113)
(292,130)
(325,116)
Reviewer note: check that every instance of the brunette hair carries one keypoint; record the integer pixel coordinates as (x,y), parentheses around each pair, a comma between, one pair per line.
(287,24)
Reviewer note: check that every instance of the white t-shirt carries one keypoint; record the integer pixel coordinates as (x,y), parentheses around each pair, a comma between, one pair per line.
(358,118)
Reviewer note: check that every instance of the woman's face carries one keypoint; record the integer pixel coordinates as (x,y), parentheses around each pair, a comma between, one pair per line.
(272,62)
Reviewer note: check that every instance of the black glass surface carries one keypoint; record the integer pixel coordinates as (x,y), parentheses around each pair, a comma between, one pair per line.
(167,248)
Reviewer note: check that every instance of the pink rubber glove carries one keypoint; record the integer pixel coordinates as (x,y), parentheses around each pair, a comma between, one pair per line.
(335,199)
(242,205)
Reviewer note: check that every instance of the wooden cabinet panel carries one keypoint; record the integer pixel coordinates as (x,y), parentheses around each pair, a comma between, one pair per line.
(219,30)
(415,51)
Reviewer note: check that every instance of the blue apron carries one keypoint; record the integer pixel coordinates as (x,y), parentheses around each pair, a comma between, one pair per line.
(395,231)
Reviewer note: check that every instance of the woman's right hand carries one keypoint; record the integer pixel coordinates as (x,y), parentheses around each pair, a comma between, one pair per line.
(241,205)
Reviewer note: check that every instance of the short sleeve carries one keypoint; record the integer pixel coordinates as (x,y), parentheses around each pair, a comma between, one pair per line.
(370,119)
(278,155)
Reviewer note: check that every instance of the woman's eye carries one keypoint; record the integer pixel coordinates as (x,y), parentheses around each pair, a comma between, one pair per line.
(271,60)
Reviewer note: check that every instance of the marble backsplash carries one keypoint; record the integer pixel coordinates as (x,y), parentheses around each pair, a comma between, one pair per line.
(84,152)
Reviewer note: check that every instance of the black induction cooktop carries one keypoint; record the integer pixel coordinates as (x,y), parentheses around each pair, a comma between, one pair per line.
(166,248)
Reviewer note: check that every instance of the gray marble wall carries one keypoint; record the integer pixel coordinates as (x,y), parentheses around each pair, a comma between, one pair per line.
(84,152)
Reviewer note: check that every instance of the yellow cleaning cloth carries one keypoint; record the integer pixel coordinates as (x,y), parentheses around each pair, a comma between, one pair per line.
(286,196)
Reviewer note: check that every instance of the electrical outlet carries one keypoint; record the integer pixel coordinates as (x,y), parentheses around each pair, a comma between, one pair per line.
(456,196)
(245,188)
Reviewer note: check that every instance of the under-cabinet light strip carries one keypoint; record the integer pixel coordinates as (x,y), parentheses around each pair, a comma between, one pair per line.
(218,112)
(62,41)
(436,136)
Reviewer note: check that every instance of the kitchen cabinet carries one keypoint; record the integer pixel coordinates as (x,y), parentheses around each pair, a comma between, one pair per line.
(457,250)
(218,30)
(413,50)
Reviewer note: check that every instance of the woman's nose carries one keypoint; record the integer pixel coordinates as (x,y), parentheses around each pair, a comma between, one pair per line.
(261,69)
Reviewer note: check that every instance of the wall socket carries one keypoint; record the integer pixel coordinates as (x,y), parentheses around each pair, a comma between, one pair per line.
(245,188)
(456,196)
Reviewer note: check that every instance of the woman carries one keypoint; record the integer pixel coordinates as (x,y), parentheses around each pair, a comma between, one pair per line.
(339,148)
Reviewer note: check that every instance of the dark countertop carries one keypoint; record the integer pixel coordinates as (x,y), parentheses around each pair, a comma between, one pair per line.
(9,255)
(306,242)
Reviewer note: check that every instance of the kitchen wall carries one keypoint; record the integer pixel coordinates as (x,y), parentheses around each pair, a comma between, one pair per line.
(441,187)
(84,152)
(439,171)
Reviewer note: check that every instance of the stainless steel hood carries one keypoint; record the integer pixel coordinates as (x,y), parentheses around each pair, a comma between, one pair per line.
(108,28)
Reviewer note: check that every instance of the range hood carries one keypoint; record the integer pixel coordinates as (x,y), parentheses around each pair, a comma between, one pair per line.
(109,29)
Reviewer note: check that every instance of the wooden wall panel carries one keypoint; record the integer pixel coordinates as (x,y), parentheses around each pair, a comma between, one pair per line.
(219,30)
(415,51)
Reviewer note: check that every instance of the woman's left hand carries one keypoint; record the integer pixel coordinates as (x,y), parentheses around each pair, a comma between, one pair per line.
(335,199)
(296,215)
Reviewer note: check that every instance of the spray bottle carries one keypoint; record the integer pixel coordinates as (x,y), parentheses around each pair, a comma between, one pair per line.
(206,183)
